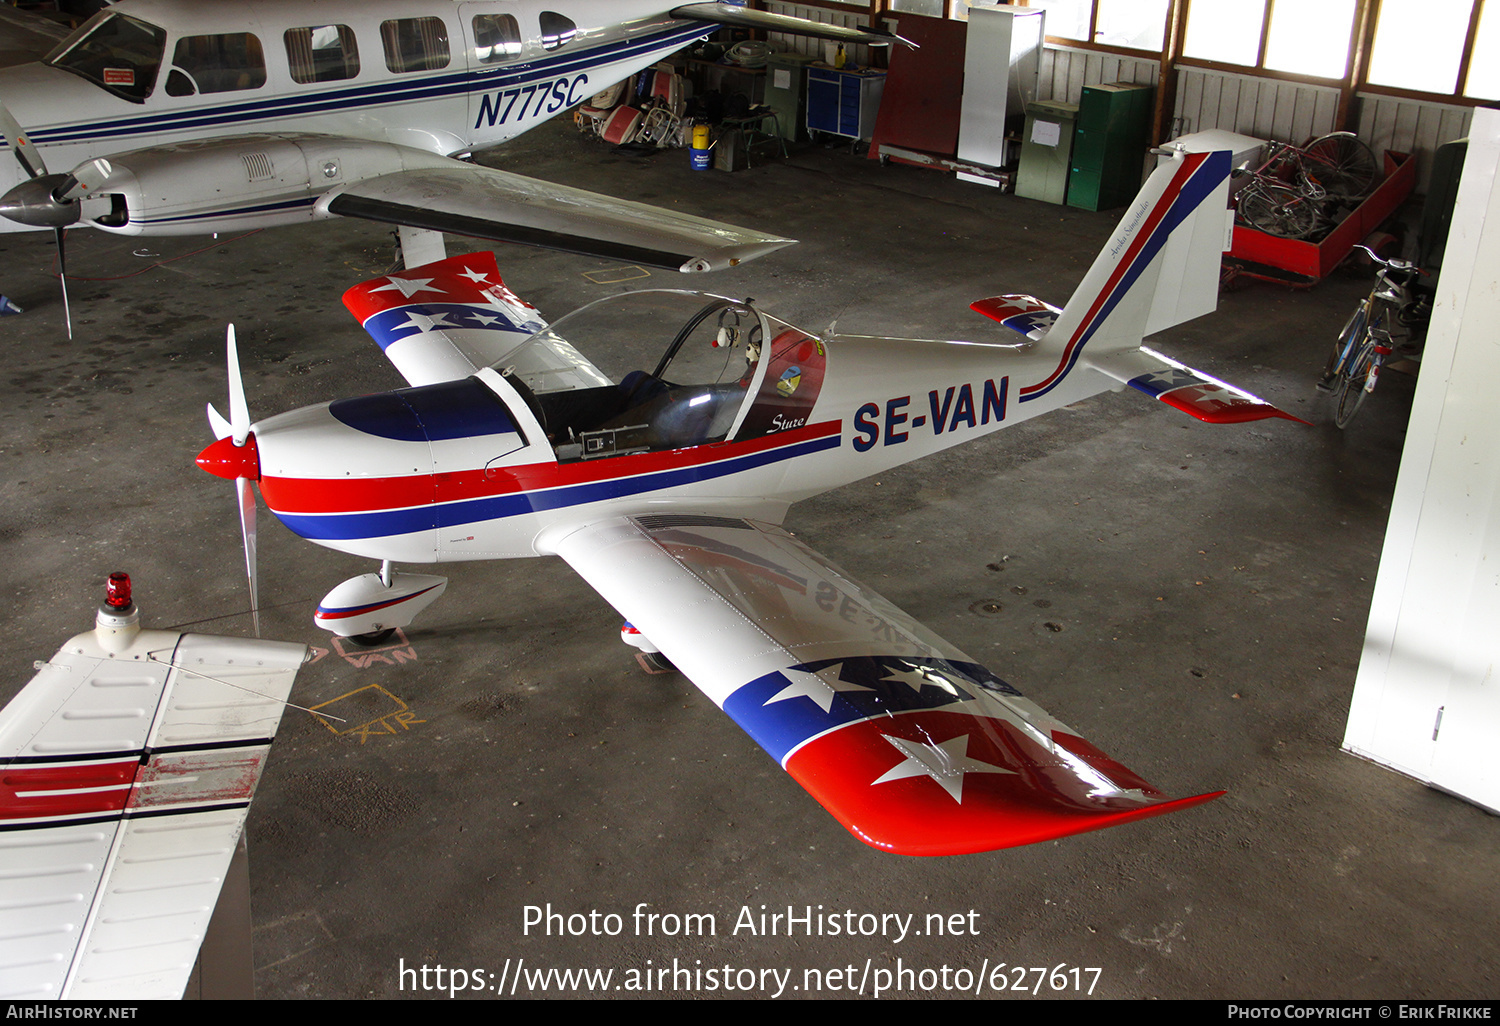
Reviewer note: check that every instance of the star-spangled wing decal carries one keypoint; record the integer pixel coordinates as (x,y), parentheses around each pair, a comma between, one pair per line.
(1191,391)
(445,320)
(908,742)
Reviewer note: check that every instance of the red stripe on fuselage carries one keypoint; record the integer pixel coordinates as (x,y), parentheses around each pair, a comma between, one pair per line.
(1190,164)
(357,495)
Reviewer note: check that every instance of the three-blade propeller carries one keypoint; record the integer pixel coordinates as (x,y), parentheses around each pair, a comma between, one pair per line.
(236,429)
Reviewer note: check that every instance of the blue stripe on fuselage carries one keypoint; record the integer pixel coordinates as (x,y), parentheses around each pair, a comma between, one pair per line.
(458,83)
(349,526)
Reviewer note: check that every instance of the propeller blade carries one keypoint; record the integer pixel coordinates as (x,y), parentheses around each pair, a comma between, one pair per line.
(216,421)
(239,409)
(20,144)
(62,277)
(246,495)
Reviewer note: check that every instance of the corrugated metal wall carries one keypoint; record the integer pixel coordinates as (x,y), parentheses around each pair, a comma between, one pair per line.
(1262,107)
(802,44)
(1410,126)
(1065,72)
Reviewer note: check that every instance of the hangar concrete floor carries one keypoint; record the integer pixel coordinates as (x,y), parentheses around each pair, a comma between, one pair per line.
(1191,598)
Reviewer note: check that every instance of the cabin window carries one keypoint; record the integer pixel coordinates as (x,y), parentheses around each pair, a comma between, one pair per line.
(323,53)
(217,64)
(121,54)
(557,31)
(497,37)
(415,44)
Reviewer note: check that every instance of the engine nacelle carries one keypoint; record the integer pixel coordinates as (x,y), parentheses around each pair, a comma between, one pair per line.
(366,605)
(229,184)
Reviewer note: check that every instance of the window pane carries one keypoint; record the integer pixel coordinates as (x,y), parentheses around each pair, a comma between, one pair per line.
(1484,66)
(1418,44)
(1138,24)
(222,64)
(1310,37)
(1066,18)
(415,44)
(324,53)
(930,8)
(1224,31)
(497,37)
(557,31)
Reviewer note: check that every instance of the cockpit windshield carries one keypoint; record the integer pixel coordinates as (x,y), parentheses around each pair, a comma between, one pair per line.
(119,53)
(642,372)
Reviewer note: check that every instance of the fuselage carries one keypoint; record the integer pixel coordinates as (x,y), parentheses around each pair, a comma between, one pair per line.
(465,470)
(437,78)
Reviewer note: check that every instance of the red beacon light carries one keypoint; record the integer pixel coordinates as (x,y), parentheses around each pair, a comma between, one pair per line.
(117,592)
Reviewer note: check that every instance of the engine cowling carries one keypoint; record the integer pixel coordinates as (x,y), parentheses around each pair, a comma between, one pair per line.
(237,182)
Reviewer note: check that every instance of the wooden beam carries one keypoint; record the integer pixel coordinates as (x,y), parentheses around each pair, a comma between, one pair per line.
(1166,78)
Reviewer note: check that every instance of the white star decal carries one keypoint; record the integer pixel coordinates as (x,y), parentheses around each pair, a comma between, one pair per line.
(408,287)
(485,320)
(422,322)
(945,763)
(919,677)
(818,687)
(477,277)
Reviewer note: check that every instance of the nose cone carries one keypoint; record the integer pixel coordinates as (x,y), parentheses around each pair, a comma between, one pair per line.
(227,460)
(33,202)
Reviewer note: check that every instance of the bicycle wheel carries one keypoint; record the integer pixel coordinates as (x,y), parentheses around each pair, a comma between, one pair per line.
(1277,210)
(1344,349)
(1351,386)
(1341,164)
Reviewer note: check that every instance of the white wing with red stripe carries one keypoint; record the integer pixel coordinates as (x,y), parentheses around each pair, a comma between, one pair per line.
(126,781)
(908,742)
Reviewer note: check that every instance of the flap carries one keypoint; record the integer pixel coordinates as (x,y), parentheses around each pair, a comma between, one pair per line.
(468,199)
(907,741)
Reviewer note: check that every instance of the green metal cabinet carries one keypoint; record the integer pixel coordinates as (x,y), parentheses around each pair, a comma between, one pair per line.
(786,92)
(1109,145)
(1046,150)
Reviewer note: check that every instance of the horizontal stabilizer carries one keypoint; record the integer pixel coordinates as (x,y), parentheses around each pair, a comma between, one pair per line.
(485,203)
(910,744)
(743,17)
(1191,391)
(1024,314)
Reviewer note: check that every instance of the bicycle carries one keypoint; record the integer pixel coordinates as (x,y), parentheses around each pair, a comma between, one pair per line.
(1298,188)
(1391,320)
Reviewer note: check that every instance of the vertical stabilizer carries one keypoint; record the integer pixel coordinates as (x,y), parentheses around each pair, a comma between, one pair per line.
(1159,268)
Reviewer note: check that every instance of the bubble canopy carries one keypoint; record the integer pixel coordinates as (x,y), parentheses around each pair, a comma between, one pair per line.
(645,371)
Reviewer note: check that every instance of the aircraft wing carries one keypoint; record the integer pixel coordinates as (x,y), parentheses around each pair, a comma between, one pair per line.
(908,742)
(127,777)
(487,203)
(741,16)
(26,37)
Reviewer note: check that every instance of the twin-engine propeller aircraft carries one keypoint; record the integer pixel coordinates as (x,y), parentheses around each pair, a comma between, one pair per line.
(175,117)
(655,439)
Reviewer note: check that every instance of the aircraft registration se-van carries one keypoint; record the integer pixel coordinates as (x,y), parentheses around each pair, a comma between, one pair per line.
(161,117)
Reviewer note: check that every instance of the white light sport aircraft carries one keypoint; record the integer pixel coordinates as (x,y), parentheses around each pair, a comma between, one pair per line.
(196,116)
(654,439)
